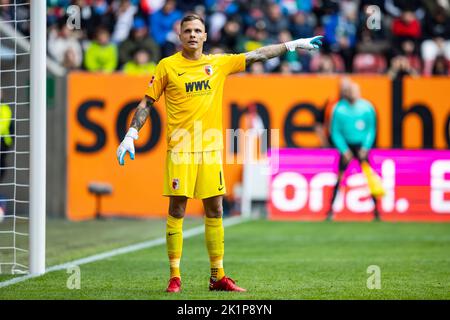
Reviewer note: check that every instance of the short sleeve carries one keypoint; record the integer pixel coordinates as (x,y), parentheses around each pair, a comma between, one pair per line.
(158,82)
(233,63)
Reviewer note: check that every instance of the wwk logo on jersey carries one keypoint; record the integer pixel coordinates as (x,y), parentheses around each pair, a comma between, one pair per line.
(197,86)
(209,70)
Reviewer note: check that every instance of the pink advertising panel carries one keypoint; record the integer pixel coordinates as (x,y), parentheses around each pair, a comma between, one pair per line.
(417,184)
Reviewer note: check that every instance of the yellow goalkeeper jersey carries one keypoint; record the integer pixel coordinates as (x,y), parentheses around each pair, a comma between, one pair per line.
(193,96)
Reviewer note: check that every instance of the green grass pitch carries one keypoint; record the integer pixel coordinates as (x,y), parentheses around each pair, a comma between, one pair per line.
(273,260)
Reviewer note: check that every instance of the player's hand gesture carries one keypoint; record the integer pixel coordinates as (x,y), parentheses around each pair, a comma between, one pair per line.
(313,43)
(127,145)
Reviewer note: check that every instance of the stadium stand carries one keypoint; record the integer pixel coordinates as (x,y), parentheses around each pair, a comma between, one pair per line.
(235,26)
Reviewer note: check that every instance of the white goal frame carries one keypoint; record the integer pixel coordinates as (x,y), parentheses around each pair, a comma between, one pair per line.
(38,143)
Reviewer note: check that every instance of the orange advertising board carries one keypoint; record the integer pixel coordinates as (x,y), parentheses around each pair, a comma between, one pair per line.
(426,112)
(100,108)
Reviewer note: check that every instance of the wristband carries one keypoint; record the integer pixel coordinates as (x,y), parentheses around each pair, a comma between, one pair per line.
(132,133)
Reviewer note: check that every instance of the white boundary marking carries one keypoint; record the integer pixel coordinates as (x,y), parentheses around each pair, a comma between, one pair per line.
(227,222)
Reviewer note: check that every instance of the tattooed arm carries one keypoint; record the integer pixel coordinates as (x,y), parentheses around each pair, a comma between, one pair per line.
(140,116)
(142,113)
(275,50)
(265,53)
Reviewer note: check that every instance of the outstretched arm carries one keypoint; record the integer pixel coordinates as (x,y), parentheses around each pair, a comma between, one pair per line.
(265,53)
(275,50)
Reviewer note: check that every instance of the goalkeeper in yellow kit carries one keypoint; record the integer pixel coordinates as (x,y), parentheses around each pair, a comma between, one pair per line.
(193,86)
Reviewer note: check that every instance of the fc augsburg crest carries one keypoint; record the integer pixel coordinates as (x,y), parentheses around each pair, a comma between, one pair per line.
(208,70)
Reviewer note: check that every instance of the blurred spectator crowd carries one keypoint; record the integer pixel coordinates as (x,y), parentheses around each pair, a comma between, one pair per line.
(397,37)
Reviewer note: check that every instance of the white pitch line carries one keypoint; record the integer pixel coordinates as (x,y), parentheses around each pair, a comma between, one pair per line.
(227,222)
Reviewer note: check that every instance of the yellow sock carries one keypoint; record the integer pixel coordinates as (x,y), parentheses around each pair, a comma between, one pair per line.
(214,236)
(174,239)
(217,271)
(373,180)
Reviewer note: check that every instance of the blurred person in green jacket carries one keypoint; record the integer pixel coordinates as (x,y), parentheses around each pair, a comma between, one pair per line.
(138,39)
(6,144)
(101,55)
(5,133)
(140,65)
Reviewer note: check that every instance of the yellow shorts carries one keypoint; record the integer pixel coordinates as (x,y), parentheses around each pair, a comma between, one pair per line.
(196,175)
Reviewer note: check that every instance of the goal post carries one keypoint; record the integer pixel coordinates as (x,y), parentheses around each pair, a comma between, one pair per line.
(38,112)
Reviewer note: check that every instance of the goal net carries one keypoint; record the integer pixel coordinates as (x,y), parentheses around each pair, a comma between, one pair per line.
(17,99)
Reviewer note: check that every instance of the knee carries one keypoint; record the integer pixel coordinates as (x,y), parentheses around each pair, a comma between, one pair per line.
(177,210)
(214,210)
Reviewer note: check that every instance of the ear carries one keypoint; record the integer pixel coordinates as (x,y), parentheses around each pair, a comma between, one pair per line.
(205,37)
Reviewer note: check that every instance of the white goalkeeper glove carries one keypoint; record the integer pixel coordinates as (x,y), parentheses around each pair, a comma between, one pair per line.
(313,43)
(127,145)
